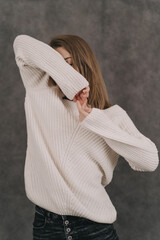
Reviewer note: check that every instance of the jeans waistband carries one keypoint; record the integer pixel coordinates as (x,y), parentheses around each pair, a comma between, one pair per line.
(47,213)
(55,216)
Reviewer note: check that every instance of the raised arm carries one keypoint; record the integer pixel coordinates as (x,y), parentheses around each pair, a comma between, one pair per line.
(118,130)
(35,58)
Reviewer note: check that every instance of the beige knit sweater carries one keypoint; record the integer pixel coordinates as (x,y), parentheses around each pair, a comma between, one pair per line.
(69,163)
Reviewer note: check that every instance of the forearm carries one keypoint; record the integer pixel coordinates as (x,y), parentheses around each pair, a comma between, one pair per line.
(37,54)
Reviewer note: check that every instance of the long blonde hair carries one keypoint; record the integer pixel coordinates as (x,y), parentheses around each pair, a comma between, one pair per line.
(84,58)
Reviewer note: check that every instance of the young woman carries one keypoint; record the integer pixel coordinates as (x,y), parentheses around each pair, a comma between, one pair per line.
(74,139)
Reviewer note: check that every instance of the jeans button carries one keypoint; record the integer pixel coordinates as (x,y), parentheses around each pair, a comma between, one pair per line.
(66,222)
(68,229)
(69,237)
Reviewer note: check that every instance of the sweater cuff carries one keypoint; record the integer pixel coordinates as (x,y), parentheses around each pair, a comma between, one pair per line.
(73,82)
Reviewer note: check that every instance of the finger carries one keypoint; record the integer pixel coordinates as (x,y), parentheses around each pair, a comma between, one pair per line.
(84,94)
(81,99)
(83,111)
(74,99)
(83,108)
(87,109)
(87,88)
(84,91)
(83,105)
(78,105)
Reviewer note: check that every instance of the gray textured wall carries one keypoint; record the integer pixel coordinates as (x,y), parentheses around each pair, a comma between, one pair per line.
(124,36)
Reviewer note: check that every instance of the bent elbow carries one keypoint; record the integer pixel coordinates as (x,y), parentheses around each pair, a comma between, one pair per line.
(16,42)
(153,163)
(19,42)
(153,158)
(148,164)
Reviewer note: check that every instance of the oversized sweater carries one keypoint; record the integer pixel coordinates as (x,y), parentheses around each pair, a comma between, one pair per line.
(70,162)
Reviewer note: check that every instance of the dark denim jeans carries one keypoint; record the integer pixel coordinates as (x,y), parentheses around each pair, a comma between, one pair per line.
(50,226)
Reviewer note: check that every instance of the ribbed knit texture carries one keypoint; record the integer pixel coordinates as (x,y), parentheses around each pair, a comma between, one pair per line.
(68,162)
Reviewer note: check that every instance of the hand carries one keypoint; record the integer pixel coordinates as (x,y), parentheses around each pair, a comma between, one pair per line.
(83,110)
(81,99)
(82,95)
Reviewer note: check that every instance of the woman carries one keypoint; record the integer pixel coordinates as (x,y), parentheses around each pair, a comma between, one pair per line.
(74,139)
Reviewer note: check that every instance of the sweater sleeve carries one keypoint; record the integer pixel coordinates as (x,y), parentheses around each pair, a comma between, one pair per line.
(118,130)
(35,58)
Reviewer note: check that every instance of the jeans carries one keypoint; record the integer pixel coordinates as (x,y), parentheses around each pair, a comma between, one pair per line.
(50,226)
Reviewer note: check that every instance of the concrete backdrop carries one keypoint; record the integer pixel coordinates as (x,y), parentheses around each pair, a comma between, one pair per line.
(124,35)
